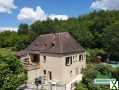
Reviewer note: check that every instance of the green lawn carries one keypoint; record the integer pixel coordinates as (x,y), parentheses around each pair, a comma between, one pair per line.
(6,51)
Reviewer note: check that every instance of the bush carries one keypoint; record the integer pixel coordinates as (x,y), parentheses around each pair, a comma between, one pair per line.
(12,73)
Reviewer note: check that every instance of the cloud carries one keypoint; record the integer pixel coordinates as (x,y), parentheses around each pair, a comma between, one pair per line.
(59,17)
(8,29)
(29,14)
(6,6)
(105,5)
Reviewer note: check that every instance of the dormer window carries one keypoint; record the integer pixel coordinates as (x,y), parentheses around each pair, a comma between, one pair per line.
(45,45)
(53,44)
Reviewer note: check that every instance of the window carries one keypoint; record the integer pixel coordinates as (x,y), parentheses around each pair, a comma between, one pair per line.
(73,57)
(44,72)
(53,43)
(68,61)
(71,60)
(50,75)
(80,57)
(35,59)
(76,57)
(44,57)
(45,45)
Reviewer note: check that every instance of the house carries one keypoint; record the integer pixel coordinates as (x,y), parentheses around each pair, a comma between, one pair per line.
(57,57)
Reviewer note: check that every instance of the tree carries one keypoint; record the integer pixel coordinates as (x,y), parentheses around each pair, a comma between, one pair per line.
(12,73)
(111,40)
(23,29)
(8,39)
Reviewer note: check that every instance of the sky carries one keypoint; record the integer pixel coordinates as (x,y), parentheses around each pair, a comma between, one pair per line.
(14,12)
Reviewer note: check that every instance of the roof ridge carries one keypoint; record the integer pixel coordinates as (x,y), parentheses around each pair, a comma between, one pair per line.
(53,33)
(61,47)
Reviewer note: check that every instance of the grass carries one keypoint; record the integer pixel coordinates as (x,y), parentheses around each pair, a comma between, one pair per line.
(6,52)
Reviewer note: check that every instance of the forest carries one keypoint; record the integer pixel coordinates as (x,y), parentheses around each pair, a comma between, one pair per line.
(93,30)
(97,32)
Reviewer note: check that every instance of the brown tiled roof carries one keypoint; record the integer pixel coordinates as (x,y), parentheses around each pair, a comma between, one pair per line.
(55,43)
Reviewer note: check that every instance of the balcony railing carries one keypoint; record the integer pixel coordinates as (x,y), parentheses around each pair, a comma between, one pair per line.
(32,66)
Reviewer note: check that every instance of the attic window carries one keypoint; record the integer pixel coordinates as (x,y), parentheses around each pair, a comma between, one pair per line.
(53,44)
(45,45)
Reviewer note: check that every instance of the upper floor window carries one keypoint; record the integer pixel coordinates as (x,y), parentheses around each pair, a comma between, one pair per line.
(80,57)
(35,58)
(68,61)
(76,58)
(44,57)
(73,58)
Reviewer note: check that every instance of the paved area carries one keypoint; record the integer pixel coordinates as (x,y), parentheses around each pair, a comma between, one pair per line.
(43,87)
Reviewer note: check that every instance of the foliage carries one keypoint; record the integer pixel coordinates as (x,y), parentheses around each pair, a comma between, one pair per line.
(23,29)
(12,73)
(111,40)
(10,39)
(92,71)
(92,53)
(97,32)
(6,52)
(93,30)
(81,86)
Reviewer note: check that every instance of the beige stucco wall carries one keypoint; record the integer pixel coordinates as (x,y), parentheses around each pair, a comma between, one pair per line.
(55,63)
(60,72)
(76,64)
(32,74)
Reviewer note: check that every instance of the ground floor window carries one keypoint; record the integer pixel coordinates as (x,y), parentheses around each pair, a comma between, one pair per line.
(44,72)
(50,75)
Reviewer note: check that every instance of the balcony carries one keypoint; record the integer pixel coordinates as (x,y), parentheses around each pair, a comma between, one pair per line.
(29,67)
